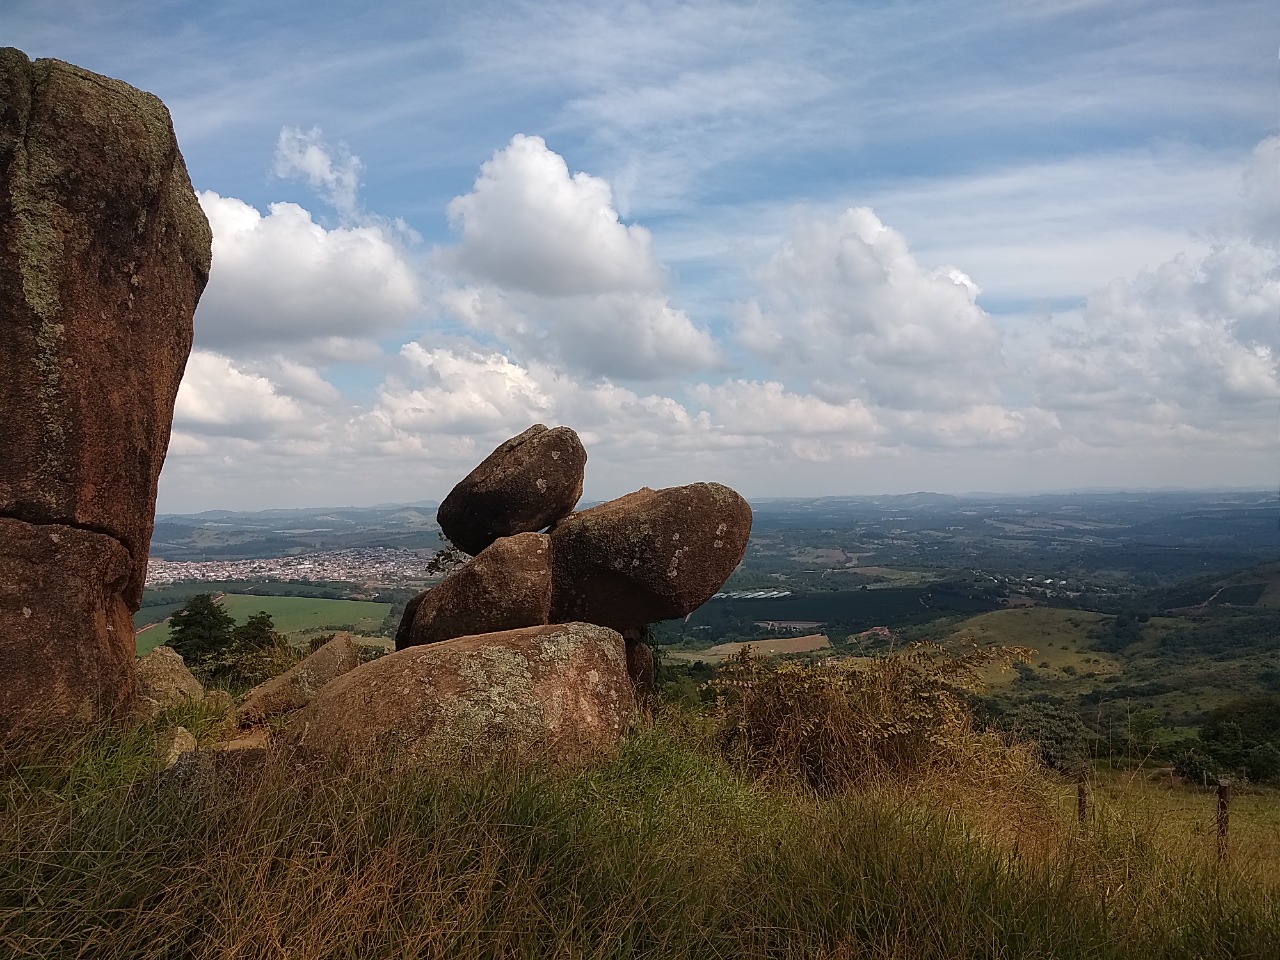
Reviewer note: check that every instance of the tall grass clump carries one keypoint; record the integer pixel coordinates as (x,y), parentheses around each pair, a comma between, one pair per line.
(832,726)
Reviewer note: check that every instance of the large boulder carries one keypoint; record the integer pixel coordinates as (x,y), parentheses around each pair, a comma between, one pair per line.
(561,689)
(526,484)
(104,252)
(66,635)
(507,586)
(298,685)
(164,681)
(651,555)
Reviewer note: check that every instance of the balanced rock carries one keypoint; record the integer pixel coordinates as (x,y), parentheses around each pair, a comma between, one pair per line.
(651,555)
(506,587)
(164,681)
(298,685)
(561,688)
(66,635)
(104,252)
(526,484)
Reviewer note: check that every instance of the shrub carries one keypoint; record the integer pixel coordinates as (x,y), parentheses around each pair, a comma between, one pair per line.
(240,666)
(830,726)
(1195,767)
(1060,736)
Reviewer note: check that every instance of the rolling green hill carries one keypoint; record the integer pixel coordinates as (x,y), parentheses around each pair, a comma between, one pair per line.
(1181,666)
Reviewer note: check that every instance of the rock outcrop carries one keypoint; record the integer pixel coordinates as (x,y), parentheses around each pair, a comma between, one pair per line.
(164,681)
(651,555)
(506,587)
(298,685)
(104,252)
(528,483)
(562,688)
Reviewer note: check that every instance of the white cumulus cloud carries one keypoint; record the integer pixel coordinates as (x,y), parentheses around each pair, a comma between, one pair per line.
(1186,352)
(332,172)
(217,397)
(548,268)
(843,301)
(529,225)
(283,278)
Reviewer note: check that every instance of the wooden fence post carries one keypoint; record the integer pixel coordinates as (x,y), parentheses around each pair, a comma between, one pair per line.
(1224,816)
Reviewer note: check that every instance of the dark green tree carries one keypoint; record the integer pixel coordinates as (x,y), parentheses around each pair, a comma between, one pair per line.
(200,627)
(257,633)
(1262,763)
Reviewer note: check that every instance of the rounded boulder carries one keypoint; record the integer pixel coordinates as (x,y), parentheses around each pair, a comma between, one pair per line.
(557,690)
(506,587)
(527,483)
(651,555)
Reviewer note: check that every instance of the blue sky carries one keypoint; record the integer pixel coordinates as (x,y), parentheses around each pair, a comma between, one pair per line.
(800,248)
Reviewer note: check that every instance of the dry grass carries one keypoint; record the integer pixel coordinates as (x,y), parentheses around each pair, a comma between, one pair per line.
(664,849)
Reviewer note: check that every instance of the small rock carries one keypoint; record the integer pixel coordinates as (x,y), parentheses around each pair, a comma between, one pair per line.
(219,702)
(257,738)
(164,681)
(172,744)
(506,587)
(526,484)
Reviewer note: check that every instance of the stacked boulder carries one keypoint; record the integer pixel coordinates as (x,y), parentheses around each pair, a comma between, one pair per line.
(648,556)
(536,641)
(104,252)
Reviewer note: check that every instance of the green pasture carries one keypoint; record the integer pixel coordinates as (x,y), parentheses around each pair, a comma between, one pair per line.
(293,616)
(1060,639)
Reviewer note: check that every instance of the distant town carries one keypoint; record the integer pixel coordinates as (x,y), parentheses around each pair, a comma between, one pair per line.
(366,565)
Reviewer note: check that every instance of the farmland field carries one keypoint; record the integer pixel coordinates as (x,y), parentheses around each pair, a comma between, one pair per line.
(723,651)
(293,616)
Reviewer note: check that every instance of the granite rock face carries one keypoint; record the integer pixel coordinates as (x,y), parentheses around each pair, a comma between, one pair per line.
(66,634)
(528,483)
(651,555)
(104,252)
(507,586)
(561,689)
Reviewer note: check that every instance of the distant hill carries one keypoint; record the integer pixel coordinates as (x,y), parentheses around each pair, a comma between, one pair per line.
(1256,586)
(234,535)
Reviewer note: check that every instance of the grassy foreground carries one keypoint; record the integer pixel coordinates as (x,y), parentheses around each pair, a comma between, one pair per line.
(663,850)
